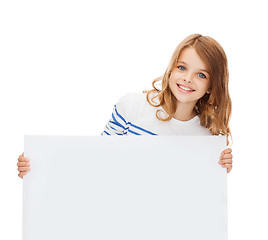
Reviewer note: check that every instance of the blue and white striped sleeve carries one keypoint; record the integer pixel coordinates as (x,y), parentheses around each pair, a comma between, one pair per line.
(118,123)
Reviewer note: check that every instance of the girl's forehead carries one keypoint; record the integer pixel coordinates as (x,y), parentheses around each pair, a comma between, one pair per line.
(189,56)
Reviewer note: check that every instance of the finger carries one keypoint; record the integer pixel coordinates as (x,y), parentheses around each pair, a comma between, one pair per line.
(228,155)
(23,164)
(23,169)
(226,165)
(23,159)
(229,170)
(228,150)
(228,161)
(21,174)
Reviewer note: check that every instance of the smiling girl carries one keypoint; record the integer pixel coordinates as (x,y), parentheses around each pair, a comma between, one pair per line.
(194,99)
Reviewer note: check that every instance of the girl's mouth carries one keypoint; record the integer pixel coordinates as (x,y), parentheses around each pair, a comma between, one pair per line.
(184,90)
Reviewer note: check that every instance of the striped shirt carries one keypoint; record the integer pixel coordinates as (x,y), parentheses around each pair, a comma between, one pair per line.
(133,115)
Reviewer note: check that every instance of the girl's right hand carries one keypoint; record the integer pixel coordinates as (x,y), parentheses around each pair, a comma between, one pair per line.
(23,165)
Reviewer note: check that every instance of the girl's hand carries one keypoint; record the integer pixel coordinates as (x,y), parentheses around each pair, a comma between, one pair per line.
(23,165)
(226,159)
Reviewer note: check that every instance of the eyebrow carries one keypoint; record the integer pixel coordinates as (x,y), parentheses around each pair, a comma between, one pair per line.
(199,69)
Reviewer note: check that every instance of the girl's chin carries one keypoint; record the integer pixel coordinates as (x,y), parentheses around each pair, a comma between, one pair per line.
(186,99)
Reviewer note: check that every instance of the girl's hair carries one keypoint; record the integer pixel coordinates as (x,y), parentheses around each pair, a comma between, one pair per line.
(214,109)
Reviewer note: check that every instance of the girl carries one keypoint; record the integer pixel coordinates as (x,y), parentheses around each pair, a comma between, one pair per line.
(194,99)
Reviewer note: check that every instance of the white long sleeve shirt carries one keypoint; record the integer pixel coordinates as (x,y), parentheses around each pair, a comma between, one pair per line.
(133,115)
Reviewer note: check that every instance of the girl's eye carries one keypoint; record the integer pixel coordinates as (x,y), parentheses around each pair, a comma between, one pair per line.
(201,75)
(182,68)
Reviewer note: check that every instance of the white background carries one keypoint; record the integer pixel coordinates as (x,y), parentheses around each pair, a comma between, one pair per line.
(64,64)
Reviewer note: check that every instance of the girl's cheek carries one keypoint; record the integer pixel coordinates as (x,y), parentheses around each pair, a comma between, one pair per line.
(178,76)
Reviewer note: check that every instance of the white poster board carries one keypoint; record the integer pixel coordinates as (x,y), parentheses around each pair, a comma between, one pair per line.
(124,188)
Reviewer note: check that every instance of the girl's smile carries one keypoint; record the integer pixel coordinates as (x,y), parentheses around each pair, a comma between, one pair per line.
(184,88)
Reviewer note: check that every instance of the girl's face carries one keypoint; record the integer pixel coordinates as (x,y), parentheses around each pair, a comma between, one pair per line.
(190,72)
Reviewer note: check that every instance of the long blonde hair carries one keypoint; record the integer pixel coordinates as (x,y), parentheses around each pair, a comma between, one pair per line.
(214,108)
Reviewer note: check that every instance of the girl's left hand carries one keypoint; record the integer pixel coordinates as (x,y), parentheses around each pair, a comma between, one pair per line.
(226,159)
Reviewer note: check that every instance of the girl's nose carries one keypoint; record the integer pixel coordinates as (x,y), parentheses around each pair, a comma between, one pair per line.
(188,78)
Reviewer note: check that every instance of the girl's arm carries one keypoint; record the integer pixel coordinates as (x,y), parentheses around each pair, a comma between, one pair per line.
(118,124)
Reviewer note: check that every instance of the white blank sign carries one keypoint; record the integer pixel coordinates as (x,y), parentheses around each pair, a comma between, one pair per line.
(124,188)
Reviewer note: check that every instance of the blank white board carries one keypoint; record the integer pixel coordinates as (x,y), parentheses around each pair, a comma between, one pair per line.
(124,188)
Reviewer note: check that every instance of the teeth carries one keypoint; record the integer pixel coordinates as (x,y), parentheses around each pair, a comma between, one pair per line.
(185,88)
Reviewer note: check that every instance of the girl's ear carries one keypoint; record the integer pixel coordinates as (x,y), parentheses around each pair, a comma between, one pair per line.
(209,91)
